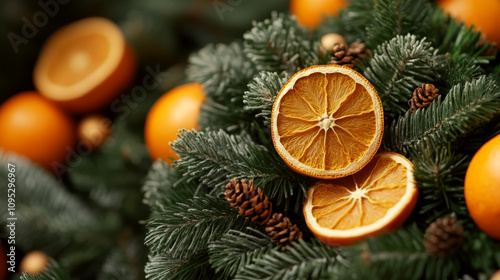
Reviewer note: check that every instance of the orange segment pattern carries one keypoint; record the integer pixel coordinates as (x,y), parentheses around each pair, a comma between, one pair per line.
(360,199)
(327,121)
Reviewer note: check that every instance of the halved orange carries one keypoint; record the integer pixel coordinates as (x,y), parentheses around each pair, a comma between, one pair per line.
(84,65)
(377,198)
(327,122)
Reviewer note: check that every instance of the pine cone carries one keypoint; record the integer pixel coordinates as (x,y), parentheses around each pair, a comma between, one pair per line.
(281,230)
(443,236)
(359,50)
(251,201)
(422,97)
(341,55)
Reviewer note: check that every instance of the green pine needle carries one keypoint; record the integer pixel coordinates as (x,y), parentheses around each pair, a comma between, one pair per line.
(165,185)
(398,67)
(215,157)
(183,229)
(194,267)
(235,249)
(465,107)
(280,44)
(440,175)
(300,260)
(262,92)
(398,17)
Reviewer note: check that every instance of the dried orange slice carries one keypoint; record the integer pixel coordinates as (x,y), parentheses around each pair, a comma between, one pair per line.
(327,122)
(379,197)
(84,65)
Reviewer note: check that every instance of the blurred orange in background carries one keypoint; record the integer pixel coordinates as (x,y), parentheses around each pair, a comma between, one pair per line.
(33,126)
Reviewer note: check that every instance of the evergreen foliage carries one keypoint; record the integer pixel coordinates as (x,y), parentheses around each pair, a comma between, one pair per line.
(236,249)
(166,186)
(397,17)
(398,67)
(301,260)
(464,107)
(53,272)
(185,228)
(280,44)
(195,234)
(215,157)
(440,175)
(40,195)
(261,93)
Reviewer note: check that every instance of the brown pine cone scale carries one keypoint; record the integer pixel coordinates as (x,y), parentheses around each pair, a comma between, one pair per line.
(251,201)
(282,231)
(443,236)
(423,97)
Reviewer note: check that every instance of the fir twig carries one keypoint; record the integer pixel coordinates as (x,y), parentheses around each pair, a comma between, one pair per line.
(398,67)
(402,255)
(186,228)
(301,260)
(465,107)
(224,71)
(235,249)
(440,175)
(194,267)
(38,196)
(280,44)
(398,17)
(165,185)
(215,157)
(262,92)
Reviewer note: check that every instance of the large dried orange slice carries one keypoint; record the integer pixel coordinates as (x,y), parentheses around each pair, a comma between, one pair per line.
(84,65)
(327,122)
(379,197)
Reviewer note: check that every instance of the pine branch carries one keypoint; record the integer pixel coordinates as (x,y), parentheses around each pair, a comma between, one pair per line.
(262,92)
(398,17)
(53,272)
(215,157)
(301,260)
(461,70)
(183,229)
(352,20)
(398,67)
(456,38)
(125,262)
(440,175)
(165,185)
(402,255)
(44,206)
(482,254)
(465,106)
(224,72)
(236,249)
(280,44)
(195,267)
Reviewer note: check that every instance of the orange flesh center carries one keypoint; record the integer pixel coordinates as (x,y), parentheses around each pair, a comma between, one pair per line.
(360,199)
(327,121)
(78,59)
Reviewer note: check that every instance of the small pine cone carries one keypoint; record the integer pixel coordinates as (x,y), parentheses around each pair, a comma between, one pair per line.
(423,97)
(251,201)
(359,50)
(282,231)
(443,236)
(341,55)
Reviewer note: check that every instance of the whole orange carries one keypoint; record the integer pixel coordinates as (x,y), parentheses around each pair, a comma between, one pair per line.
(177,109)
(482,188)
(311,12)
(482,14)
(33,126)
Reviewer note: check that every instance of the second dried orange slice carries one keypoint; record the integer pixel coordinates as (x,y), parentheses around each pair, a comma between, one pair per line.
(327,122)
(377,198)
